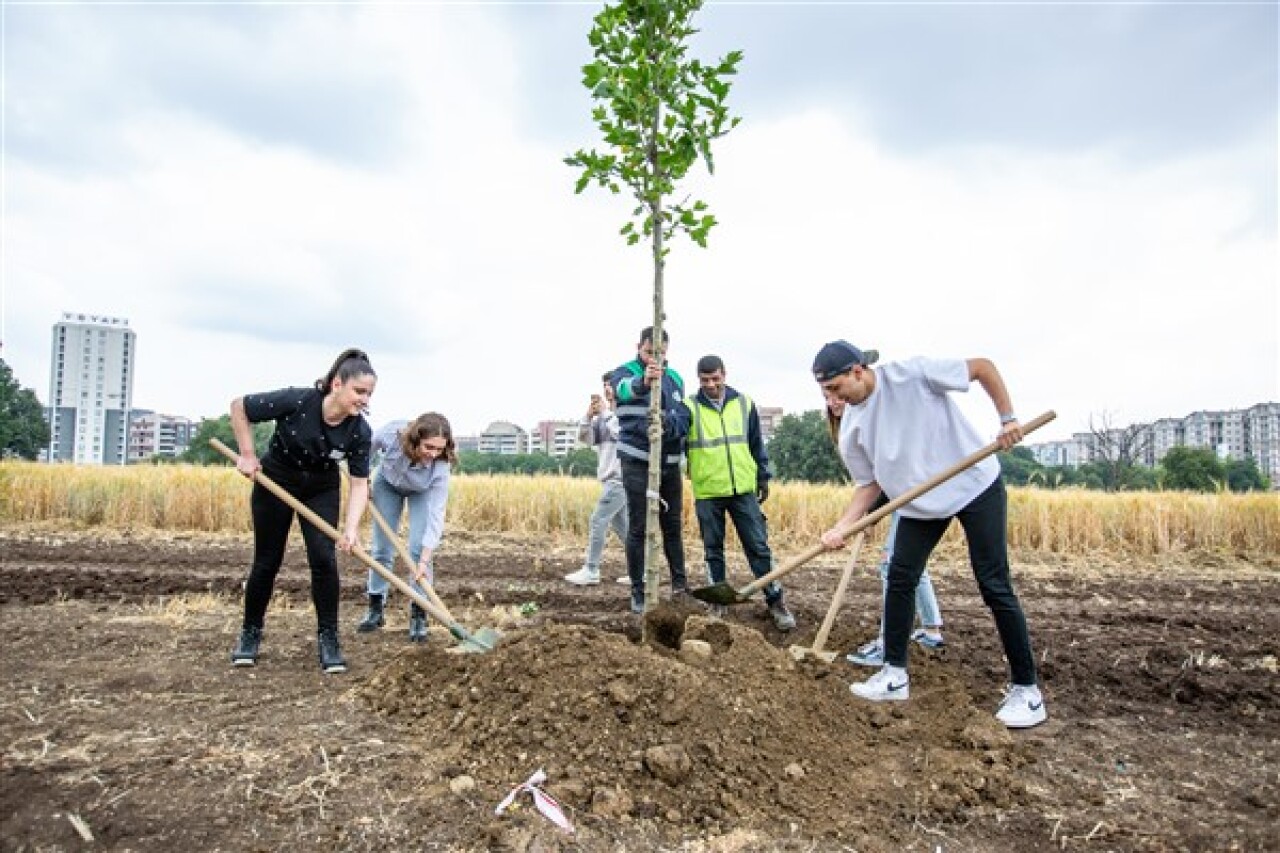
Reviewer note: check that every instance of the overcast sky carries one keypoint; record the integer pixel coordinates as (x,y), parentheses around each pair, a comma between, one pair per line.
(1084,193)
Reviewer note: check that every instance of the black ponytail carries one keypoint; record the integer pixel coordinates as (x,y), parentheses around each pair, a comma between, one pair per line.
(349,363)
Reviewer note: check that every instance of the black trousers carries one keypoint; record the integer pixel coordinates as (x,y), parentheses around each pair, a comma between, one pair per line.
(984,522)
(272,519)
(635,481)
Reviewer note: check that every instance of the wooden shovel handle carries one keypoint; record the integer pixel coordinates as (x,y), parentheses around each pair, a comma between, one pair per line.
(820,641)
(382,522)
(332,532)
(898,502)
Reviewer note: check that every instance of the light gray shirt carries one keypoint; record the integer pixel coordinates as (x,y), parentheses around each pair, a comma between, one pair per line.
(601,432)
(408,477)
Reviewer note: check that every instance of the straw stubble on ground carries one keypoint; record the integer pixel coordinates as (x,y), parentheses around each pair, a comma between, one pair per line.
(122,721)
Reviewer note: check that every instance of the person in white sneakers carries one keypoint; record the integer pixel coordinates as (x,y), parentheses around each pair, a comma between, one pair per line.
(600,430)
(903,428)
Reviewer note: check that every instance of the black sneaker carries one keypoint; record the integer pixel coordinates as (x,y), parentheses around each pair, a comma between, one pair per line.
(782,618)
(417,624)
(246,651)
(373,618)
(330,653)
(637,602)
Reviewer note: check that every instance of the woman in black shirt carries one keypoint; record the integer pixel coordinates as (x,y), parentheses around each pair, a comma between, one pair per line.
(315,428)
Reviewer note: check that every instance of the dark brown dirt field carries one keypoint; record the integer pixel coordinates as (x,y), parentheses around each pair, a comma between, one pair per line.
(122,721)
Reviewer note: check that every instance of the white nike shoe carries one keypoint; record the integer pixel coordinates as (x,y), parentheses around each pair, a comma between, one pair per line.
(1023,707)
(890,684)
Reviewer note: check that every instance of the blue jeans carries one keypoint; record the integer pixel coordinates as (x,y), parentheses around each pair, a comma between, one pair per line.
(749,521)
(391,503)
(610,511)
(985,528)
(926,600)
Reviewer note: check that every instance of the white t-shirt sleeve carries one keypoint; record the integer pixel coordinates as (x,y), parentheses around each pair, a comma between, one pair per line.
(945,374)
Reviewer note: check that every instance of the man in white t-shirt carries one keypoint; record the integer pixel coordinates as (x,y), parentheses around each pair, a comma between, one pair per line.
(901,428)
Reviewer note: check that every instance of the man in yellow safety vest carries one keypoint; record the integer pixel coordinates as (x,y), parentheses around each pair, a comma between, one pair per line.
(729,472)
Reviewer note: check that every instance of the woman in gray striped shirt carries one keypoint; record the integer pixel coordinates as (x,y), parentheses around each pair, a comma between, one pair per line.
(417,458)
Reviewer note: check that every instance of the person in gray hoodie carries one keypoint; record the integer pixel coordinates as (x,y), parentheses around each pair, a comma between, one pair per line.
(599,429)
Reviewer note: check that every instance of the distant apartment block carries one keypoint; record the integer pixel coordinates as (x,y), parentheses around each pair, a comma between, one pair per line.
(1262,439)
(1071,453)
(555,438)
(155,435)
(91,370)
(1239,434)
(505,438)
(467,443)
(770,417)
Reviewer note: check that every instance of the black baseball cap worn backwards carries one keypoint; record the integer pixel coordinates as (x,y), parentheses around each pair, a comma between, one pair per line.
(839,356)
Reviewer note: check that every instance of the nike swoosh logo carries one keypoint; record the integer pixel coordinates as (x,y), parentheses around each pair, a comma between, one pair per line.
(894,688)
(1035,706)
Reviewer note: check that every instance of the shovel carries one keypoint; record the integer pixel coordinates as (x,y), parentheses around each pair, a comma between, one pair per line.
(723,593)
(817,650)
(482,641)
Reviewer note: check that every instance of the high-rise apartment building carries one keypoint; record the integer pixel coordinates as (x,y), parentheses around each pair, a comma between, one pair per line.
(91,369)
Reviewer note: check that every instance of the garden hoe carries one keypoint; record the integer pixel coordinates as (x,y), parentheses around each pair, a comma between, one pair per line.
(467,642)
(487,637)
(723,593)
(818,650)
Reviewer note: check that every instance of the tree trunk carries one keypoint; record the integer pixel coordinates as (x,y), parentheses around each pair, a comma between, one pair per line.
(653,531)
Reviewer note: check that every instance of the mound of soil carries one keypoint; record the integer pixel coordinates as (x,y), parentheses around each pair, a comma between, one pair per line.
(687,739)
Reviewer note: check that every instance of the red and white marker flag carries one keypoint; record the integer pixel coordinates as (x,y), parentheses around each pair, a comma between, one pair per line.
(542,801)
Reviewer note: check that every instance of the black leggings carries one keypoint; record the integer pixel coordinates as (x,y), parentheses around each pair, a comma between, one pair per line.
(272,518)
(984,523)
(635,480)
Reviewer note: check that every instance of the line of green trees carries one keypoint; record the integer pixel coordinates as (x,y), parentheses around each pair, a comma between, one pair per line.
(801,449)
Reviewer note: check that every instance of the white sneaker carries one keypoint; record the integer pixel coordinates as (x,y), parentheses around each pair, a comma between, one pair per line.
(583,577)
(868,654)
(625,580)
(1023,707)
(890,684)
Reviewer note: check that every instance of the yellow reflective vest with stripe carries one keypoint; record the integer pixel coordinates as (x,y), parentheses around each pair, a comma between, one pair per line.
(720,461)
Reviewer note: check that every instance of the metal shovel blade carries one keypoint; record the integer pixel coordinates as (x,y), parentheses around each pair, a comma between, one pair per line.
(719,593)
(476,643)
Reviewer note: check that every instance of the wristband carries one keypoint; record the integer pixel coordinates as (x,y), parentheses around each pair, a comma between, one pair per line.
(1008,419)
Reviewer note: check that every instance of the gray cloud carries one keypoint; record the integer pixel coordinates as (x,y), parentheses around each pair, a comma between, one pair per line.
(77,74)
(1151,80)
